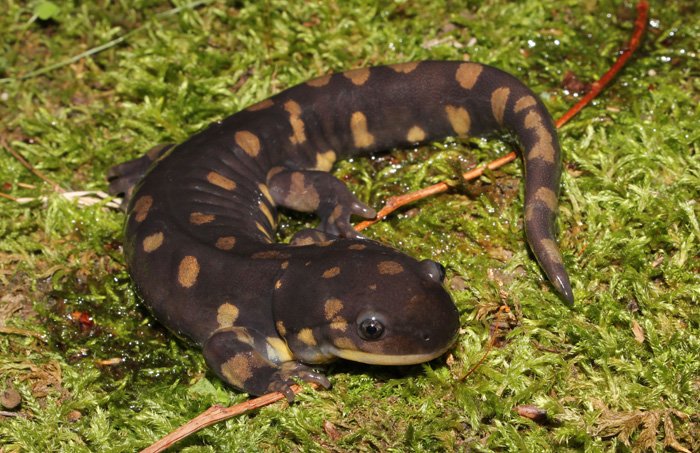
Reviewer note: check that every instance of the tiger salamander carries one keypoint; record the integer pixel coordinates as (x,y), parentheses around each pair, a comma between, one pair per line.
(201,219)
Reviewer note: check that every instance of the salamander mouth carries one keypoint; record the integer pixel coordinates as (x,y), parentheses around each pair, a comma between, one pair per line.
(385,359)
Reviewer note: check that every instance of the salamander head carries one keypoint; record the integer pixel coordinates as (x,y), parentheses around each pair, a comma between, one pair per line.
(366,302)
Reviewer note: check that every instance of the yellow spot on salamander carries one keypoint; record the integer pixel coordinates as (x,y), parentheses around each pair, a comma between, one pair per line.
(188,271)
(333,307)
(199,218)
(552,250)
(548,197)
(523,103)
(225,242)
(152,242)
(415,134)
(285,265)
(325,161)
(332,272)
(264,209)
(306,336)
(221,181)
(319,81)
(302,197)
(357,247)
(544,196)
(261,105)
(266,193)
(390,268)
(344,343)
(243,336)
(280,347)
(357,76)
(278,284)
(271,254)
(237,370)
(499,99)
(281,329)
(360,134)
(249,142)
(141,207)
(459,119)
(264,231)
(299,136)
(226,315)
(339,323)
(544,148)
(468,74)
(303,241)
(335,214)
(273,171)
(405,67)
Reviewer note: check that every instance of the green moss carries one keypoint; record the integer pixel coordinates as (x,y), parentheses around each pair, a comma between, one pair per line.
(111,379)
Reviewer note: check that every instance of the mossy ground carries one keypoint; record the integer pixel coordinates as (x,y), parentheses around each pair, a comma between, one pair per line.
(620,371)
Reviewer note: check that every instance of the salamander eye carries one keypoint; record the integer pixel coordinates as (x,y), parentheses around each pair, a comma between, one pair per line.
(433,270)
(371,329)
(442,272)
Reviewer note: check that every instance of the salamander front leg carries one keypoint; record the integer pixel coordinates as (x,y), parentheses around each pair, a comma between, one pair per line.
(248,362)
(308,191)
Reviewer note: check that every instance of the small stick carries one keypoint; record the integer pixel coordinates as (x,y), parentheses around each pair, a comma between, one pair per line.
(216,414)
(13,414)
(24,162)
(394,203)
(17,331)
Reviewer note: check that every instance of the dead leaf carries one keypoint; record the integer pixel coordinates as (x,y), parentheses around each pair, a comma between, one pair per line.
(624,424)
(670,439)
(331,430)
(638,332)
(532,412)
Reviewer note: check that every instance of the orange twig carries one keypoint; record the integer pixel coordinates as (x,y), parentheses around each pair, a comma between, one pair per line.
(639,25)
(216,414)
(393,203)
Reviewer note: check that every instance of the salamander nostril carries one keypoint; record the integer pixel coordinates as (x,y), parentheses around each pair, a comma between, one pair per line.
(426,337)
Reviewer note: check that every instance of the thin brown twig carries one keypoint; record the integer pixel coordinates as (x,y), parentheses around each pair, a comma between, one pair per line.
(24,332)
(8,196)
(216,414)
(29,166)
(13,414)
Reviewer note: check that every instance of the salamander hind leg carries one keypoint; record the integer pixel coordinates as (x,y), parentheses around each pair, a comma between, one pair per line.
(251,363)
(123,177)
(309,190)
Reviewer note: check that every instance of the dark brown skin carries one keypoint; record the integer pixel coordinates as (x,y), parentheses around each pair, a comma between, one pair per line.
(202,216)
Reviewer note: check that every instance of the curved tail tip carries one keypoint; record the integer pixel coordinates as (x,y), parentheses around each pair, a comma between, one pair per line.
(564,287)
